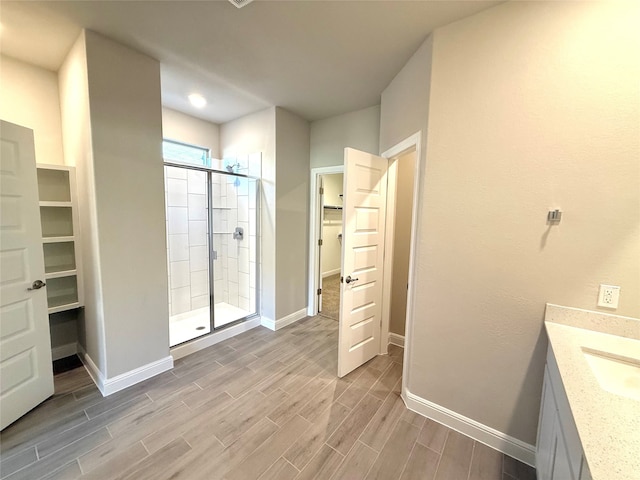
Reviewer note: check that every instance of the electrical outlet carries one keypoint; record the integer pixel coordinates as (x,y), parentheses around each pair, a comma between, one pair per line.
(608,296)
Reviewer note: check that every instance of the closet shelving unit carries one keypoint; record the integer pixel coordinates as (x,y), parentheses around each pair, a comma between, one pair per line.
(60,236)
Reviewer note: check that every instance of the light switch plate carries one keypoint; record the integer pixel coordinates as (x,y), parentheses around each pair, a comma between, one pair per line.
(609,296)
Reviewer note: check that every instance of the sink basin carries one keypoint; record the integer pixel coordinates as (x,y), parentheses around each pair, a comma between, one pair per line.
(616,374)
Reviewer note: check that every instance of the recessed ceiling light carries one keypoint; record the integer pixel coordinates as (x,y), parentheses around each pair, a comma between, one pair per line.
(197,100)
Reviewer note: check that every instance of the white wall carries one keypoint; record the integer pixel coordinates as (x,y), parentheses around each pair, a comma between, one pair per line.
(76,130)
(113,133)
(283,139)
(29,97)
(244,136)
(329,137)
(532,106)
(404,108)
(184,128)
(292,217)
(126,133)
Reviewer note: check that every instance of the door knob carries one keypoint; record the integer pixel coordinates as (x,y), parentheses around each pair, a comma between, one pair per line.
(350,280)
(37,285)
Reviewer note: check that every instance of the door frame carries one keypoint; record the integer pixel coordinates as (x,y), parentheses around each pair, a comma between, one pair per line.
(314,218)
(393,154)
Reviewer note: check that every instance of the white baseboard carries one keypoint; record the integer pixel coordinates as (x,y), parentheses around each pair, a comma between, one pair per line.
(63,351)
(502,442)
(268,323)
(93,370)
(215,337)
(108,386)
(330,272)
(284,321)
(395,339)
(137,375)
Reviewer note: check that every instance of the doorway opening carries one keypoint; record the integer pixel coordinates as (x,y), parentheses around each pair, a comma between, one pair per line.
(331,245)
(401,243)
(400,177)
(325,249)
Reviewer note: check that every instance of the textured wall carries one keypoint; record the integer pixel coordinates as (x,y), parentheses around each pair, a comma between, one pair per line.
(126,140)
(184,128)
(532,106)
(29,97)
(329,137)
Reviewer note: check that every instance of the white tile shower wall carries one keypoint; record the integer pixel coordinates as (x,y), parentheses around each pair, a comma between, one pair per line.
(197,232)
(199,283)
(178,220)
(177,192)
(187,239)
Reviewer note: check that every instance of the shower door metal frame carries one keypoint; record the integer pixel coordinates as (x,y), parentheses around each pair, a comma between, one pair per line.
(209,171)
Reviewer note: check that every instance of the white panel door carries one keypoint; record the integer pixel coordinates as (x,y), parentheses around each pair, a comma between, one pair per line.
(364,207)
(26,374)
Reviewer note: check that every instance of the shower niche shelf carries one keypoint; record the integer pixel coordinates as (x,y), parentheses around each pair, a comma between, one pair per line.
(60,236)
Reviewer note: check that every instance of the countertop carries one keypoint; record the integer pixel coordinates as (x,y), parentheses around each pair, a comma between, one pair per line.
(608,424)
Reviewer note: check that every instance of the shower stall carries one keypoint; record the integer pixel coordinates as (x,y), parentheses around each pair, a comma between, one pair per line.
(212,245)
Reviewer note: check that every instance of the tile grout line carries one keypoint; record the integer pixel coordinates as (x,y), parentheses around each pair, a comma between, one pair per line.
(473,451)
(435,474)
(413,447)
(297,469)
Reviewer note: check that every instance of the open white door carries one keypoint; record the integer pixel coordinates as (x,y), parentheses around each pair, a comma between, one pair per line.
(364,207)
(26,373)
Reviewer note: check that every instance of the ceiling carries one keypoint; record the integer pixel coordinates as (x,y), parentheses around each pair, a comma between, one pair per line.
(314,58)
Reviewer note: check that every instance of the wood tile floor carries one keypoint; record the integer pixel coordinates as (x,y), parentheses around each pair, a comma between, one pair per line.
(331,297)
(263,405)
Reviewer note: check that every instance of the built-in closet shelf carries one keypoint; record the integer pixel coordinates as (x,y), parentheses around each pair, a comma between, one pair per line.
(333,207)
(64,307)
(223,208)
(60,241)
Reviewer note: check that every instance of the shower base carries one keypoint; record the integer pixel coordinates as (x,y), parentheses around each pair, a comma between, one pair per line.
(189,325)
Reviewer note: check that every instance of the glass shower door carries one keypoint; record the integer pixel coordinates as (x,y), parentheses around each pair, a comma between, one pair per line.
(234,242)
(187,201)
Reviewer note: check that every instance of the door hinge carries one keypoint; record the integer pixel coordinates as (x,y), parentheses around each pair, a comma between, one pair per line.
(321,190)
(319,291)
(320,242)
